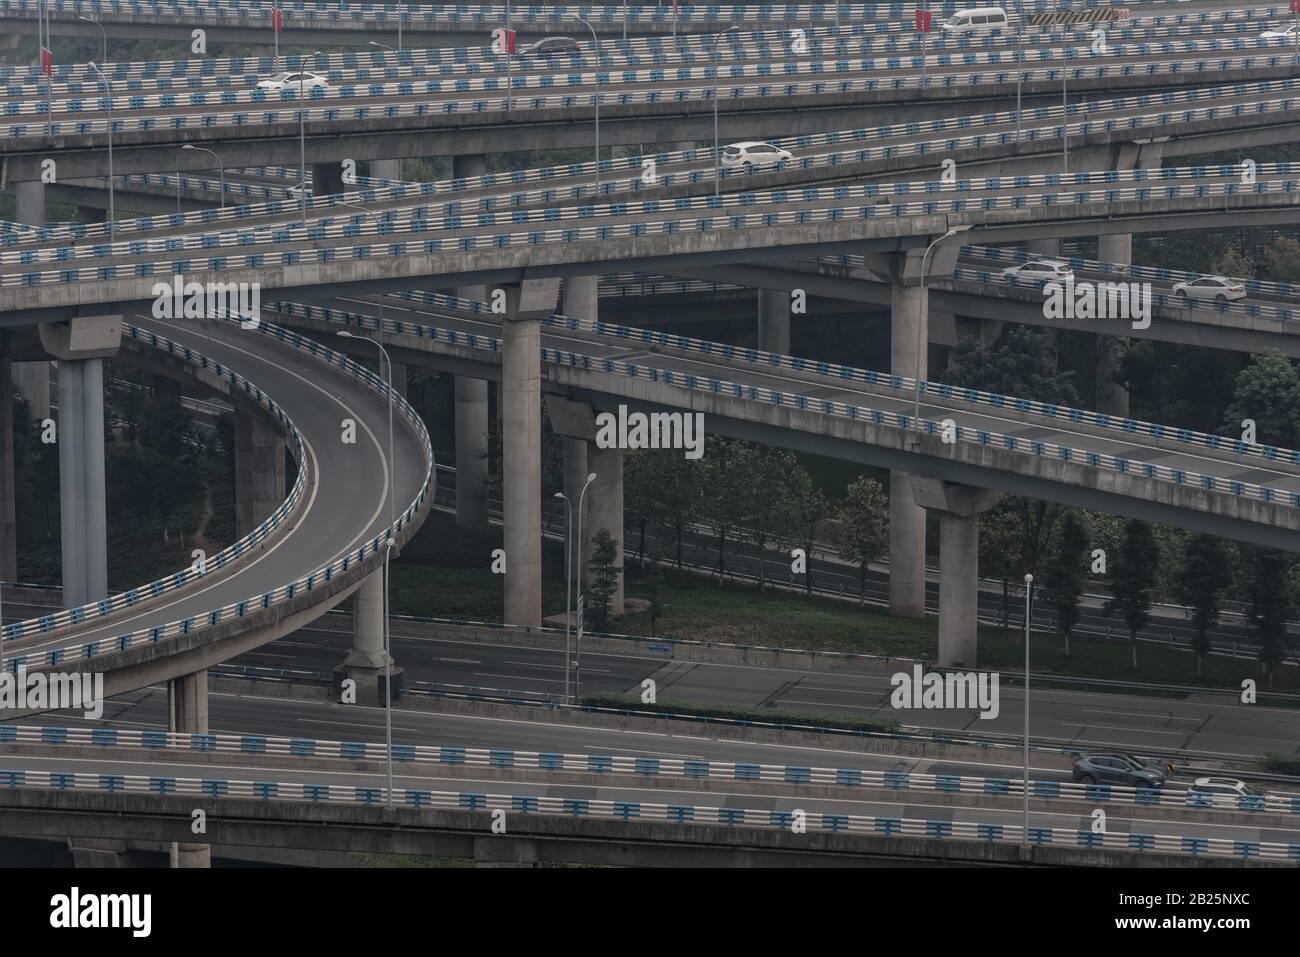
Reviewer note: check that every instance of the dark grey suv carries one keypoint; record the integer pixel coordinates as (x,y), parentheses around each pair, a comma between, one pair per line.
(1095,767)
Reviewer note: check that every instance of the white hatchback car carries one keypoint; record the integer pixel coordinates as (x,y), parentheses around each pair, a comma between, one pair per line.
(1044,270)
(1218,288)
(291,81)
(753,154)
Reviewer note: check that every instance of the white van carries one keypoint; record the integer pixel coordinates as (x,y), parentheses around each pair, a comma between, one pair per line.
(977,20)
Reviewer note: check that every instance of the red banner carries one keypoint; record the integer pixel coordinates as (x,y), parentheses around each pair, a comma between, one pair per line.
(277,20)
(924,20)
(47,62)
(1295,6)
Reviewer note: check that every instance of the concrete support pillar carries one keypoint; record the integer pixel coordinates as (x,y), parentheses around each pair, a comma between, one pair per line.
(774,320)
(365,663)
(29,196)
(259,472)
(326,179)
(521,400)
(958,589)
(1044,247)
(472,454)
(8,512)
(604,507)
(908,337)
(1112,395)
(81,481)
(386,169)
(33,381)
(575,476)
(80,345)
(958,508)
(187,713)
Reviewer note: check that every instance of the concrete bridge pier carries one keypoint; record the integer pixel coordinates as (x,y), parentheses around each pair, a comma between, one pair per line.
(80,345)
(471,428)
(521,399)
(366,663)
(1112,394)
(29,198)
(908,340)
(259,471)
(958,508)
(774,320)
(187,713)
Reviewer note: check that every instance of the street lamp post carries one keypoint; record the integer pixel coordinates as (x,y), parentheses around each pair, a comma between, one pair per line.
(220,167)
(1065,116)
(568,584)
(717,156)
(625,21)
(401,15)
(101,30)
(388,547)
(596,42)
(1029,580)
(577,644)
(920,325)
(1020,21)
(112,213)
(302,143)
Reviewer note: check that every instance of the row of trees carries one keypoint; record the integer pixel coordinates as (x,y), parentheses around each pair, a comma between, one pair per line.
(1205,573)
(749,493)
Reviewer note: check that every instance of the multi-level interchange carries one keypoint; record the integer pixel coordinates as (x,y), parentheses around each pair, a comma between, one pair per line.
(244,237)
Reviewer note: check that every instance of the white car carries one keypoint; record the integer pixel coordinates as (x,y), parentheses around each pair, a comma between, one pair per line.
(1225,791)
(1218,288)
(1288,32)
(753,154)
(1043,270)
(291,81)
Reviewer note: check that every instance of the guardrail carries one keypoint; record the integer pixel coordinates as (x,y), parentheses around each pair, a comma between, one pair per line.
(690,769)
(573,181)
(476,801)
(93,611)
(784,207)
(902,386)
(833,78)
(283,593)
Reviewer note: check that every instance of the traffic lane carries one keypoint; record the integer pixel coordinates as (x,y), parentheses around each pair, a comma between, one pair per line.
(346,503)
(925,805)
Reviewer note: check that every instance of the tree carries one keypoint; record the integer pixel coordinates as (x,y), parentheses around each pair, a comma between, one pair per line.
(1269,605)
(1020,362)
(728,480)
(1063,577)
(769,504)
(864,525)
(654,581)
(1204,574)
(1268,392)
(604,578)
(1282,259)
(808,508)
(1132,577)
(665,490)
